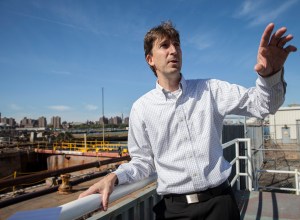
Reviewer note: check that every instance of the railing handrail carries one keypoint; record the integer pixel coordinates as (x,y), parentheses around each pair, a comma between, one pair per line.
(295,172)
(249,173)
(88,204)
(237,158)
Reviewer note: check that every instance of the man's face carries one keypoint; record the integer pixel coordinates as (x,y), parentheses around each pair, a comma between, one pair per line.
(166,57)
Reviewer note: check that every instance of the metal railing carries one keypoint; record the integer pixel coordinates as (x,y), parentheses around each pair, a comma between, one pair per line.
(86,205)
(89,204)
(86,146)
(295,172)
(248,157)
(140,206)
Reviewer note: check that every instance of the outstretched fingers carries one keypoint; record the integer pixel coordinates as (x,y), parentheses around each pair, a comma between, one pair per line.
(89,191)
(264,42)
(105,200)
(277,36)
(284,40)
(290,48)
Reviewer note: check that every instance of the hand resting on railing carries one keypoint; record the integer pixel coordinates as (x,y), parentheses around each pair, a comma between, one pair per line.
(104,186)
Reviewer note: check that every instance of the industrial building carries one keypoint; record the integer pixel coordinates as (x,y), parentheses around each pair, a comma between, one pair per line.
(285,125)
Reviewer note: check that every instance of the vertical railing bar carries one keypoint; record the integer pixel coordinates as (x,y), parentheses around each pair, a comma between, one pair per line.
(249,164)
(237,164)
(297,181)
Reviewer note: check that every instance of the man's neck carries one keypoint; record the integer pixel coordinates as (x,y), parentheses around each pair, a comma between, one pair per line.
(171,83)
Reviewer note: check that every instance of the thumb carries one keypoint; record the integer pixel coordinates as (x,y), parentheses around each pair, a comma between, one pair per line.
(259,68)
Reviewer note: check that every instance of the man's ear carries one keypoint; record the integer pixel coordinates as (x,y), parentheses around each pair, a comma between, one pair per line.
(149,60)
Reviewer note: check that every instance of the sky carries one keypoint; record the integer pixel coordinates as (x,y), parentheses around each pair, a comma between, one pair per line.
(57,55)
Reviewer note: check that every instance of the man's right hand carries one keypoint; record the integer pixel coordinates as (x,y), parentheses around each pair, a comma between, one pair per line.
(105,187)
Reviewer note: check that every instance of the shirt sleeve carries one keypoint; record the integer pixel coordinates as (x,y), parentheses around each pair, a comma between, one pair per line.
(259,101)
(141,164)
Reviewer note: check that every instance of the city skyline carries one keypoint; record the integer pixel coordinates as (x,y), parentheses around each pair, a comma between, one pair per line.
(56,56)
(56,121)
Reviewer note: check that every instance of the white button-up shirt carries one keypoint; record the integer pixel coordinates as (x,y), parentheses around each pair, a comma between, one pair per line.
(178,134)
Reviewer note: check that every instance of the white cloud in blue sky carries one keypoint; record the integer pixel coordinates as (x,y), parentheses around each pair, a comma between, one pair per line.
(59,107)
(261,12)
(90,107)
(62,51)
(15,107)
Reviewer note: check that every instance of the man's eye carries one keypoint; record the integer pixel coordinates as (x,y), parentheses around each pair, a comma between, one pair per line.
(176,44)
(164,45)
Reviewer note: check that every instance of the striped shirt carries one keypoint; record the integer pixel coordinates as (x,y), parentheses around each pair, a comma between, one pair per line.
(178,134)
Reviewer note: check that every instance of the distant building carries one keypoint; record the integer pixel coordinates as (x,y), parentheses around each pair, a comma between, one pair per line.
(285,125)
(103,120)
(28,123)
(111,121)
(42,122)
(116,120)
(56,122)
(9,121)
(126,120)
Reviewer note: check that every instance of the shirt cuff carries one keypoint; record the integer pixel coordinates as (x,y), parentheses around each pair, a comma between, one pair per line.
(270,81)
(121,175)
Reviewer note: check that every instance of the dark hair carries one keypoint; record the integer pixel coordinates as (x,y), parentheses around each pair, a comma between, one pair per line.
(165,29)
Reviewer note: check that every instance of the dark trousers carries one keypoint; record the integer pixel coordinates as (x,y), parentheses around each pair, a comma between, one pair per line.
(222,207)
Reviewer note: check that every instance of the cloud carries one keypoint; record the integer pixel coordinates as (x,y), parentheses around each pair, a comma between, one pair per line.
(15,107)
(201,41)
(49,20)
(65,16)
(258,12)
(59,107)
(91,107)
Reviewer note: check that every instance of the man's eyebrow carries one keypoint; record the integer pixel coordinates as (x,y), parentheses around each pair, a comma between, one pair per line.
(164,40)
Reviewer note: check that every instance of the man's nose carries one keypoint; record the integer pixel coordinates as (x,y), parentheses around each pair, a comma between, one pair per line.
(173,48)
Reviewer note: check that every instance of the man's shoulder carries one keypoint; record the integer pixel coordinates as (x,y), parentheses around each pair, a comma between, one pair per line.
(144,98)
(208,81)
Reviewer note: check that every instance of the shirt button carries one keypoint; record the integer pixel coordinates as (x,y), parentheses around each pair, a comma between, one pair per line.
(195,174)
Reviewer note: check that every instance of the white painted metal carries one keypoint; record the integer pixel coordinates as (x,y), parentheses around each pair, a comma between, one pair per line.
(297,181)
(250,177)
(295,172)
(237,163)
(80,207)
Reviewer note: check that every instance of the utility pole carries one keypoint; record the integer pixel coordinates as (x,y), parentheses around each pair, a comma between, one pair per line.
(103,115)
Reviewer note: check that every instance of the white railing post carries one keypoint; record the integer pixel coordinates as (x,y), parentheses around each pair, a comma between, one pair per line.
(237,164)
(297,181)
(249,157)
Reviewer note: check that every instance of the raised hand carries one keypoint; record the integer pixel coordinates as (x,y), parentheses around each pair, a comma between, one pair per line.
(272,52)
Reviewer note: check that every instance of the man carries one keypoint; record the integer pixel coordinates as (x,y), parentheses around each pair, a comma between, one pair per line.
(175,128)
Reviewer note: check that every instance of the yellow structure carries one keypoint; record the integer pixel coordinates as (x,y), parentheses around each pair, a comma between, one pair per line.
(91,146)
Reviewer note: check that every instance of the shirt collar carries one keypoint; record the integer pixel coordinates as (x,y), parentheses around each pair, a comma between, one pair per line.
(163,93)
